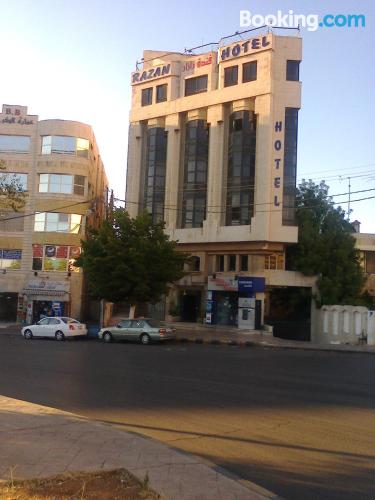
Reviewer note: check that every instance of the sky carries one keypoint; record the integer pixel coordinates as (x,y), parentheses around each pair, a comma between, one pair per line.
(72,59)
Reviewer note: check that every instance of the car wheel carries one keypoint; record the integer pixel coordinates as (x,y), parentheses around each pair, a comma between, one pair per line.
(28,334)
(107,337)
(59,335)
(145,339)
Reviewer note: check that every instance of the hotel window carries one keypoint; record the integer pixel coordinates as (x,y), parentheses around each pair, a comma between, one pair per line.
(55,258)
(195,174)
(196,85)
(14,180)
(244,263)
(161,93)
(58,222)
(65,145)
(230,76)
(10,259)
(232,262)
(156,161)
(290,166)
(147,96)
(61,183)
(292,70)
(220,261)
(274,261)
(241,168)
(249,71)
(14,144)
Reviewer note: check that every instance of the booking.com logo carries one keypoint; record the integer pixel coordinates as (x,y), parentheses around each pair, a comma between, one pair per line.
(309,21)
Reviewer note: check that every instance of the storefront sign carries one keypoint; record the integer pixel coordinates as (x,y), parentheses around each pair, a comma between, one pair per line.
(11,254)
(224,284)
(251,284)
(150,74)
(243,48)
(48,286)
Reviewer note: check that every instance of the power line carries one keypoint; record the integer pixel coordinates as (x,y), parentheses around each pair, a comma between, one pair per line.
(179,209)
(21,216)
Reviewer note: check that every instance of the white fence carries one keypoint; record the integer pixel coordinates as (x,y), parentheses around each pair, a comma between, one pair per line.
(344,325)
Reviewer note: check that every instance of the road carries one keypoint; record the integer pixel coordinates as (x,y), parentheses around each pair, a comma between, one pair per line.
(299,423)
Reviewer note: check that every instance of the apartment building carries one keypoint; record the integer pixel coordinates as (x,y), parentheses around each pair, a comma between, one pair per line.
(213,153)
(58,164)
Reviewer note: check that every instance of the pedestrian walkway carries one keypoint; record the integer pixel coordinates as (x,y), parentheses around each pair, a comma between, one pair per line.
(213,334)
(199,333)
(36,441)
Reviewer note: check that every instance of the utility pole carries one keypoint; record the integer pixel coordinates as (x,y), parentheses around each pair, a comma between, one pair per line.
(349,192)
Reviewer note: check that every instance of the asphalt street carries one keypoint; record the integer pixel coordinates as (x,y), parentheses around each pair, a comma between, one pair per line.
(299,423)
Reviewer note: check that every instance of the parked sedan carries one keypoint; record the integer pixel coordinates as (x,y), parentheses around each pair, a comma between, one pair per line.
(143,330)
(55,327)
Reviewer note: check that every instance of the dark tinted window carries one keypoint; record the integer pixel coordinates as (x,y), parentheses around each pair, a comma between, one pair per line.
(232,262)
(290,166)
(196,85)
(124,324)
(147,96)
(249,71)
(161,93)
(241,168)
(230,76)
(220,263)
(195,173)
(244,263)
(292,70)
(154,323)
(154,190)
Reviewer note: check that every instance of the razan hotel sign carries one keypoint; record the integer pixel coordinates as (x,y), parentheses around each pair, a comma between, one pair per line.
(151,73)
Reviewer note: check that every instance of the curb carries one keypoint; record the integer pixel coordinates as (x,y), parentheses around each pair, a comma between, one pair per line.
(253,488)
(239,343)
(250,343)
(249,485)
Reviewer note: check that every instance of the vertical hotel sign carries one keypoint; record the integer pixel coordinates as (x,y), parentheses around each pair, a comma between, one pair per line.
(277,151)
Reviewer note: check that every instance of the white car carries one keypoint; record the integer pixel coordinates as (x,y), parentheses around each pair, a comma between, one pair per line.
(58,328)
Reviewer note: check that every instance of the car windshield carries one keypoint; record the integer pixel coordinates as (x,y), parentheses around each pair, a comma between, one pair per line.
(154,323)
(69,320)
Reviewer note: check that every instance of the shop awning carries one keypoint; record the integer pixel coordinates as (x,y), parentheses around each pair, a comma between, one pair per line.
(45,293)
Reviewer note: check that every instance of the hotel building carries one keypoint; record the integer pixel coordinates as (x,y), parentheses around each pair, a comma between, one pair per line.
(57,163)
(213,153)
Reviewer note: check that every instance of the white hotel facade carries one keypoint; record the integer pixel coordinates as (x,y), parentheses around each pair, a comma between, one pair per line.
(213,153)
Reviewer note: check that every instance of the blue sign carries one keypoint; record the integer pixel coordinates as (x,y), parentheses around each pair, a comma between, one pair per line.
(12,254)
(250,284)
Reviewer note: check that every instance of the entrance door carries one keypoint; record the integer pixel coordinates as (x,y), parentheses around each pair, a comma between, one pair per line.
(8,306)
(191,302)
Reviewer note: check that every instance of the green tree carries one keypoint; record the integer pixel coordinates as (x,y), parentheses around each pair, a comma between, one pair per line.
(12,196)
(130,260)
(326,247)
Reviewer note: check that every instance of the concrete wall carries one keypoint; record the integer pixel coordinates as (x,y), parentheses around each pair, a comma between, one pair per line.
(343,325)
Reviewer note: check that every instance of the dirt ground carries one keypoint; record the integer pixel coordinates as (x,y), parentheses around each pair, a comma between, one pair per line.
(105,485)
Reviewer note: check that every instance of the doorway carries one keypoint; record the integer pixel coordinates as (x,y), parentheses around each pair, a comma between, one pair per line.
(190,305)
(8,306)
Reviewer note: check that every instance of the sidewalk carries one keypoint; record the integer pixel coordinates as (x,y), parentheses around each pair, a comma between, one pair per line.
(36,441)
(207,334)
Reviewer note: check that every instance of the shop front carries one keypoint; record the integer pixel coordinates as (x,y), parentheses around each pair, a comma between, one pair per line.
(235,301)
(45,298)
